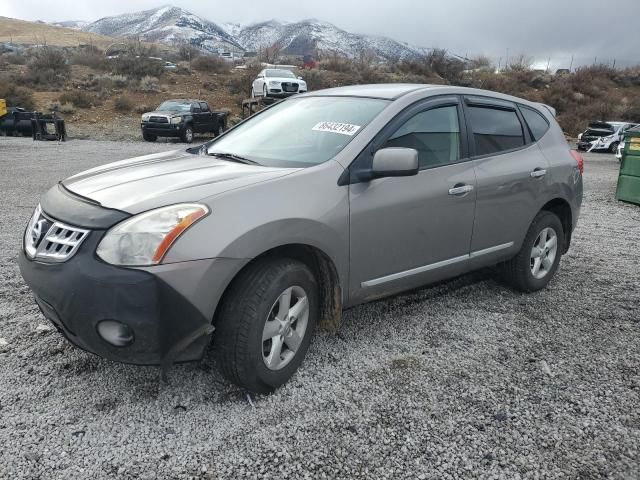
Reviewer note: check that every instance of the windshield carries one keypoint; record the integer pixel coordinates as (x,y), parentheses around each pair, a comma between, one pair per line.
(172,106)
(279,73)
(300,132)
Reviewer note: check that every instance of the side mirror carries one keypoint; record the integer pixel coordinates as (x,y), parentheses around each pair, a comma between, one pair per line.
(395,162)
(300,78)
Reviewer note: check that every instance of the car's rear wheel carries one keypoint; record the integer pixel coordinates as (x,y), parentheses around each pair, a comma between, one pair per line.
(187,135)
(149,138)
(537,261)
(266,323)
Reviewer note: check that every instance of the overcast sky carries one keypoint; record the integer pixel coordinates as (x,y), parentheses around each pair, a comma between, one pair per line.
(559,29)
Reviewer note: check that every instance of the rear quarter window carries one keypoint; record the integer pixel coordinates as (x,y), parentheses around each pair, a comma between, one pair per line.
(538,125)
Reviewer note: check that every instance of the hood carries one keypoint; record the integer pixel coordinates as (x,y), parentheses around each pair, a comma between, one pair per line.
(153,181)
(160,113)
(284,79)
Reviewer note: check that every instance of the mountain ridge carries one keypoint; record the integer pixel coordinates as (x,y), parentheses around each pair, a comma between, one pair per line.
(170,24)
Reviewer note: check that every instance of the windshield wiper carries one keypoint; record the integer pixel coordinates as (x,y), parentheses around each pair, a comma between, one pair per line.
(233,157)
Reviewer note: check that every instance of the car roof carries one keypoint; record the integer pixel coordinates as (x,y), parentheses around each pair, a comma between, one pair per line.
(394,91)
(183,100)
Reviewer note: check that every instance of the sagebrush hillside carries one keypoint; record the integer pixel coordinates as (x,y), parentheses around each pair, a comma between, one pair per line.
(103,97)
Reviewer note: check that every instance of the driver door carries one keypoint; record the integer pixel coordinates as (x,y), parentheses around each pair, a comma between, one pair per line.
(409,231)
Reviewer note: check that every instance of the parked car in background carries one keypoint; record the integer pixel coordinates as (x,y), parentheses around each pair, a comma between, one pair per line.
(182,118)
(603,136)
(621,146)
(277,83)
(255,237)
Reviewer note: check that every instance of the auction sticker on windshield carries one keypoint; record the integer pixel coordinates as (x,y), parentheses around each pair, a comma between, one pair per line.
(336,127)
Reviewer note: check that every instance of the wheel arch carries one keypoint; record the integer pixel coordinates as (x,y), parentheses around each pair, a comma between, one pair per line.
(324,270)
(562,209)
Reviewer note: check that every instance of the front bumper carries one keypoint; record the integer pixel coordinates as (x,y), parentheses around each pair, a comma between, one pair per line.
(162,129)
(278,93)
(160,304)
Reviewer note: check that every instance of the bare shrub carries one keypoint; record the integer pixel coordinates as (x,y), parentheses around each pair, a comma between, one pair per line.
(16,96)
(187,52)
(61,108)
(239,83)
(14,59)
(91,58)
(144,108)
(136,67)
(210,64)
(447,67)
(337,63)
(149,84)
(48,67)
(79,99)
(316,79)
(123,104)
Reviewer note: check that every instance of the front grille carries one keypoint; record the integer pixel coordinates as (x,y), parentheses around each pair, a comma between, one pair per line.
(50,240)
(289,87)
(159,119)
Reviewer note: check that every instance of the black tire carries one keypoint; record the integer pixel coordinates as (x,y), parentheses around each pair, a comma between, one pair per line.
(238,343)
(187,134)
(149,138)
(613,148)
(517,271)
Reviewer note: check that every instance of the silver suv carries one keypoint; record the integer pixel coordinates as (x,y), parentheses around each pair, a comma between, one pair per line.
(318,203)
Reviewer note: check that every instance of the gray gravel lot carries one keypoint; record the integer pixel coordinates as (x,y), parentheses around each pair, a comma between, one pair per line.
(463,380)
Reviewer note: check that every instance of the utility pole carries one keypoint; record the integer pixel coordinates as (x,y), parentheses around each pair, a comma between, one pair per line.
(614,64)
(571,65)
(548,63)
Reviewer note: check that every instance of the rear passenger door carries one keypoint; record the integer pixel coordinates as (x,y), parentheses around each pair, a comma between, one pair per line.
(511,174)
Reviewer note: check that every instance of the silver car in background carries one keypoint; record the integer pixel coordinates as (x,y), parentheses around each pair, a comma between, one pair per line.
(256,237)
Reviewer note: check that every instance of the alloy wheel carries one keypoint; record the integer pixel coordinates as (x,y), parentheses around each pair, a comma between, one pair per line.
(543,253)
(285,328)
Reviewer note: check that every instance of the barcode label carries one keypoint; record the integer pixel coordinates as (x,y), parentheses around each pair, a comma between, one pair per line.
(336,127)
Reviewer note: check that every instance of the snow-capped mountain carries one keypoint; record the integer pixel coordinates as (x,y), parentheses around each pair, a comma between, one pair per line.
(167,24)
(170,24)
(308,36)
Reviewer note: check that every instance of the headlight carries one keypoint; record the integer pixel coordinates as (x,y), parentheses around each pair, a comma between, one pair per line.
(145,238)
(176,120)
(274,83)
(146,118)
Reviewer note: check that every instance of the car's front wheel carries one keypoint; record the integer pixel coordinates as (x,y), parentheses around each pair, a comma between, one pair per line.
(149,138)
(613,148)
(266,323)
(187,134)
(537,261)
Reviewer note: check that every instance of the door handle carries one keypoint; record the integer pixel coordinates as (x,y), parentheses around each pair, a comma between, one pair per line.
(460,189)
(538,172)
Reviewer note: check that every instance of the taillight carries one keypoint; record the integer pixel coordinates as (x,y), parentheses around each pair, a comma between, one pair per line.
(579,160)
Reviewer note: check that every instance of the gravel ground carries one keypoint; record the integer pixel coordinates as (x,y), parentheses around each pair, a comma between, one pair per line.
(467,379)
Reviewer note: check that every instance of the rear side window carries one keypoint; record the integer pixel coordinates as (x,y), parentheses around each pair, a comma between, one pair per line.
(538,125)
(435,134)
(204,107)
(495,130)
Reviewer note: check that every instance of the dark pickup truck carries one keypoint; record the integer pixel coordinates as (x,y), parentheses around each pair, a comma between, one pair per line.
(182,118)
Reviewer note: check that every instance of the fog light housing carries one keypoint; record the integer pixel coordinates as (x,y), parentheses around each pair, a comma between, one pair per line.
(115,333)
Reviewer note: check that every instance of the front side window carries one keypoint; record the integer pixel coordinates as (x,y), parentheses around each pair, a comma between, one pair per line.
(495,130)
(435,134)
(299,132)
(537,123)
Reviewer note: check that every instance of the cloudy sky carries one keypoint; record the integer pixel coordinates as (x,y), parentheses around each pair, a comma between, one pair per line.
(542,29)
